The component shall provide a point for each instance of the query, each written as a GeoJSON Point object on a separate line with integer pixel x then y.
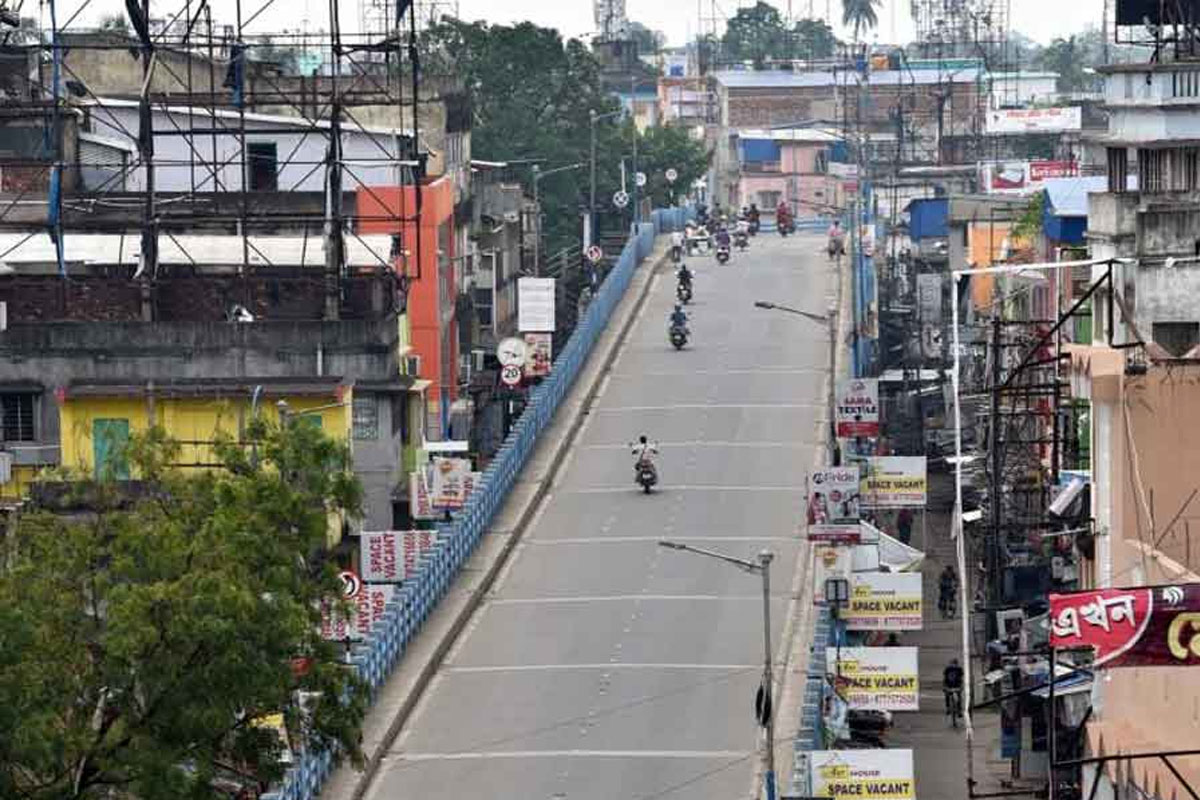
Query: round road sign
{"type": "Point", "coordinates": [595, 254]}
{"type": "Point", "coordinates": [620, 199]}
{"type": "Point", "coordinates": [641, 179]}
{"type": "Point", "coordinates": [351, 583]}
{"type": "Point", "coordinates": [512, 351]}
{"type": "Point", "coordinates": [671, 175]}
{"type": "Point", "coordinates": [510, 375]}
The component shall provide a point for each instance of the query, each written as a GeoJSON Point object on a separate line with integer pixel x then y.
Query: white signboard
{"type": "Point", "coordinates": [833, 505]}
{"type": "Point", "coordinates": [829, 562]}
{"type": "Point", "coordinates": [858, 408]}
{"type": "Point", "coordinates": [1034, 120]}
{"type": "Point", "coordinates": [392, 556]}
{"type": "Point", "coordinates": [535, 304]}
{"type": "Point", "coordinates": [875, 678]}
{"type": "Point", "coordinates": [862, 774]}
{"type": "Point", "coordinates": [884, 601]}
{"type": "Point", "coordinates": [369, 607]}
{"type": "Point", "coordinates": [420, 494]}
{"type": "Point", "coordinates": [894, 482]}
{"type": "Point", "coordinates": [451, 482]}
{"type": "Point", "coordinates": [845, 171]}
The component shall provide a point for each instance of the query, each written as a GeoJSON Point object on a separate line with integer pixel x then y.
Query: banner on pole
{"type": "Point", "coordinates": [862, 774]}
{"type": "Point", "coordinates": [894, 482]}
{"type": "Point", "coordinates": [832, 513]}
{"type": "Point", "coordinates": [875, 678]}
{"type": "Point", "coordinates": [392, 556]}
{"type": "Point", "coordinates": [858, 408]}
{"type": "Point", "coordinates": [884, 601]}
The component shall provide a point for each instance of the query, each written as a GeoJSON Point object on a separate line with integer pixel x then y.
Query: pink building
{"type": "Point", "coordinates": [789, 164]}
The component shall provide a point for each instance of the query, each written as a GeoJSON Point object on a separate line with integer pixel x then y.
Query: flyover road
{"type": "Point", "coordinates": [602, 667]}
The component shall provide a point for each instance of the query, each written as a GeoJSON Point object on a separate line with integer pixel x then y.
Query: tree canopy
{"type": "Point", "coordinates": [861, 14]}
{"type": "Point", "coordinates": [149, 637]}
{"type": "Point", "coordinates": [759, 33]}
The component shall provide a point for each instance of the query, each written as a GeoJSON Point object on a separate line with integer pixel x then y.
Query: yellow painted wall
{"type": "Point", "coordinates": [18, 487]}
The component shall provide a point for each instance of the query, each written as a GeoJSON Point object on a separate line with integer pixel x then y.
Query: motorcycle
{"type": "Point", "coordinates": [741, 240]}
{"type": "Point", "coordinates": [676, 253]}
{"type": "Point", "coordinates": [754, 227]}
{"type": "Point", "coordinates": [786, 226]}
{"type": "Point", "coordinates": [683, 291]}
{"type": "Point", "coordinates": [723, 254]}
{"type": "Point", "coordinates": [678, 336]}
{"type": "Point", "coordinates": [646, 475]}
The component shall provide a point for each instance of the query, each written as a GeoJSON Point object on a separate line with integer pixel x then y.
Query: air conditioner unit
{"type": "Point", "coordinates": [477, 357]}
{"type": "Point", "coordinates": [412, 366]}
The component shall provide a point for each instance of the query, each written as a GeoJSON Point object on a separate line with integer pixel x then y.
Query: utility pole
{"type": "Point", "coordinates": [765, 702]}
{"type": "Point", "coordinates": [589, 231]}
{"type": "Point", "coordinates": [637, 216]}
{"type": "Point", "coordinates": [995, 486]}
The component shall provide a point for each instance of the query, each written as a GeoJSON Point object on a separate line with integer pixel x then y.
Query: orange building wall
{"type": "Point", "coordinates": [392, 209]}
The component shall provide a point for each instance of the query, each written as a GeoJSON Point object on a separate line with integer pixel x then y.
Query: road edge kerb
{"type": "Point", "coordinates": [653, 263]}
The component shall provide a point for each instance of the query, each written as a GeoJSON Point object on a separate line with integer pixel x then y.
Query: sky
{"type": "Point", "coordinates": [1041, 20]}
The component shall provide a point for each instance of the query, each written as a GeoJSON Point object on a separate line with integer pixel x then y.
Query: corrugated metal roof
{"type": "Point", "coordinates": [814, 135]}
{"type": "Point", "coordinates": [100, 248]}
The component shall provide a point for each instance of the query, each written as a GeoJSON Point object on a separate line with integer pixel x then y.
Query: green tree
{"type": "Point", "coordinates": [145, 636]}
{"type": "Point", "coordinates": [1070, 57]}
{"type": "Point", "coordinates": [666, 148]}
{"type": "Point", "coordinates": [648, 41]}
{"type": "Point", "coordinates": [756, 33]}
{"type": "Point", "coordinates": [813, 38]}
{"type": "Point", "coordinates": [861, 14]}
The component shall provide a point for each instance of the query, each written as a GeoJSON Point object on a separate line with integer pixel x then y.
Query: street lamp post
{"type": "Point", "coordinates": [829, 319]}
{"type": "Point", "coordinates": [538, 174]}
{"type": "Point", "coordinates": [765, 708]}
{"type": "Point", "coordinates": [593, 118]}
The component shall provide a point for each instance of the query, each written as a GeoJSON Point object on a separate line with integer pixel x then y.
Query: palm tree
{"type": "Point", "coordinates": [860, 13]}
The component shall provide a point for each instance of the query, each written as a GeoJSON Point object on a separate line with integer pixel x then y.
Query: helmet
{"type": "Point", "coordinates": [642, 439]}
{"type": "Point", "coordinates": [678, 307]}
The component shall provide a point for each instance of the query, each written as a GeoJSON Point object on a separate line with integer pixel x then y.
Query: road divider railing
{"type": "Point", "coordinates": [376, 657]}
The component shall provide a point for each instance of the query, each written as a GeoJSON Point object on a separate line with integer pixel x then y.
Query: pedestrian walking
{"type": "Point", "coordinates": [904, 524]}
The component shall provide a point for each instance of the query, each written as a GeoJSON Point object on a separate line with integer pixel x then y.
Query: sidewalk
{"type": "Point", "coordinates": [939, 750]}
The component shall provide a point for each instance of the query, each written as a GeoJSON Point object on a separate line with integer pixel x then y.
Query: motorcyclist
{"type": "Point", "coordinates": [684, 275]}
{"type": "Point", "coordinates": [753, 213]}
{"type": "Point", "coordinates": [837, 239]}
{"type": "Point", "coordinates": [644, 452]}
{"type": "Point", "coordinates": [677, 240]}
{"type": "Point", "coordinates": [952, 683]}
{"type": "Point", "coordinates": [679, 318]}
{"type": "Point", "coordinates": [722, 237]}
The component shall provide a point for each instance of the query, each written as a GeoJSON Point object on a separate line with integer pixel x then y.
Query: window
{"type": "Point", "coordinates": [263, 166]}
{"type": "Point", "coordinates": [768, 199]}
{"type": "Point", "coordinates": [110, 443]}
{"type": "Point", "coordinates": [1177, 338]}
{"type": "Point", "coordinates": [18, 421]}
{"type": "Point", "coordinates": [366, 417]}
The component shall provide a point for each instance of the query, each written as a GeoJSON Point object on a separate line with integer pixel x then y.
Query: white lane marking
{"type": "Point", "coordinates": [495, 754]}
{"type": "Point", "coordinates": [684, 488]}
{"type": "Point", "coordinates": [621, 598]}
{"type": "Point", "coordinates": [792, 445]}
{"type": "Point", "coordinates": [710, 406]}
{"type": "Point", "coordinates": [604, 666]}
{"type": "Point", "coordinates": [560, 540]}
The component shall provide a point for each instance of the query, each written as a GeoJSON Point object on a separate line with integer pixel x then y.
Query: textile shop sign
{"type": "Point", "coordinates": [884, 601]}
{"type": "Point", "coordinates": [832, 513]}
{"type": "Point", "coordinates": [1155, 626]}
{"type": "Point", "coordinates": [858, 408]}
{"type": "Point", "coordinates": [862, 774]}
{"type": "Point", "coordinates": [875, 678]}
{"type": "Point", "coordinates": [894, 482]}
{"type": "Point", "coordinates": [392, 556]}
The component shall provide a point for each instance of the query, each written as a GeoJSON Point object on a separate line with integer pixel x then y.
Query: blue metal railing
{"type": "Point", "coordinates": [811, 735]}
{"type": "Point", "coordinates": [375, 658]}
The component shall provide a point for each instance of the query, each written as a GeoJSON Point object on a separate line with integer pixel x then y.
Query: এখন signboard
{"type": "Point", "coordinates": [862, 774]}
{"type": "Point", "coordinates": [884, 601]}
{"type": "Point", "coordinates": [858, 408]}
{"type": "Point", "coordinates": [894, 482]}
{"type": "Point", "coordinates": [1146, 626]}
{"type": "Point", "coordinates": [875, 678]}
{"type": "Point", "coordinates": [832, 512]}
{"type": "Point", "coordinates": [392, 556]}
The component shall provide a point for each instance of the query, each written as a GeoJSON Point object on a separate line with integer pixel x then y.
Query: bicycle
{"type": "Point", "coordinates": [953, 705]}
{"type": "Point", "coordinates": [948, 605]}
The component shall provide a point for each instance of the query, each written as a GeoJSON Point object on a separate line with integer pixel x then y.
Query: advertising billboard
{"type": "Point", "coordinates": [1034, 120]}
{"type": "Point", "coordinates": [894, 482]}
{"type": "Point", "coordinates": [538, 354]}
{"type": "Point", "coordinates": [392, 556]}
{"type": "Point", "coordinates": [875, 678]}
{"type": "Point", "coordinates": [535, 305]}
{"type": "Point", "coordinates": [829, 562]}
{"type": "Point", "coordinates": [884, 601]}
{"type": "Point", "coordinates": [862, 774]}
{"type": "Point", "coordinates": [858, 408]}
{"type": "Point", "coordinates": [1152, 626]}
{"type": "Point", "coordinates": [1022, 177]}
{"type": "Point", "coordinates": [832, 513]}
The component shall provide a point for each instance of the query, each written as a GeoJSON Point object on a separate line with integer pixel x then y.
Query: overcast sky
{"type": "Point", "coordinates": [678, 19]}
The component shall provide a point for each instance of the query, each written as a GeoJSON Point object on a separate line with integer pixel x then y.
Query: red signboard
{"type": "Point", "coordinates": [1143, 626]}
{"type": "Point", "coordinates": [1041, 170]}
